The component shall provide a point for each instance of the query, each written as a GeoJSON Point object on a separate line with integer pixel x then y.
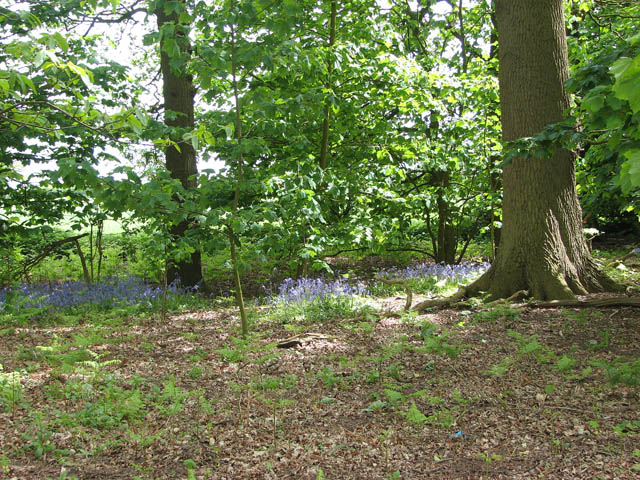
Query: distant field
{"type": "Point", "coordinates": [110, 226]}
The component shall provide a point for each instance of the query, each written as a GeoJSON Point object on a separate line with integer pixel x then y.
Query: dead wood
{"type": "Point", "coordinates": [29, 263]}
{"type": "Point", "coordinates": [300, 339]}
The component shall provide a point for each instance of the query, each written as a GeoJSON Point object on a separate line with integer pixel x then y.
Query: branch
{"type": "Point", "coordinates": [405, 284]}
{"type": "Point", "coordinates": [30, 263]}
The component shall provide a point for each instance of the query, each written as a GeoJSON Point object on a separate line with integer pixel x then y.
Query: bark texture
{"type": "Point", "coordinates": [178, 92]}
{"type": "Point", "coordinates": [542, 247]}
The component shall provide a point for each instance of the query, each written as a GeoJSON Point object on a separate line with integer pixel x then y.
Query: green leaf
{"type": "Point", "coordinates": [61, 41]}
{"type": "Point", "coordinates": [393, 396]}
{"type": "Point", "coordinates": [627, 73]}
{"type": "Point", "coordinates": [414, 415]}
{"type": "Point", "coordinates": [565, 363]}
{"type": "Point", "coordinates": [593, 103]}
{"type": "Point", "coordinates": [629, 178]}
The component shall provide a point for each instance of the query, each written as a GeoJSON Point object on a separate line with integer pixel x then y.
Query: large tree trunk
{"type": "Point", "coordinates": [542, 248]}
{"type": "Point", "coordinates": [178, 92]}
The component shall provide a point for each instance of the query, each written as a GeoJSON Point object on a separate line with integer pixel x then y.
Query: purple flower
{"type": "Point", "coordinates": [72, 294]}
{"type": "Point", "coordinates": [310, 289]}
{"type": "Point", "coordinates": [440, 271]}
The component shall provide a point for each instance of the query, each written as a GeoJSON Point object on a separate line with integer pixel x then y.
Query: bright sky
{"type": "Point", "coordinates": [123, 52]}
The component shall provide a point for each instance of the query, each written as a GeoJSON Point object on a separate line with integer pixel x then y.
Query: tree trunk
{"type": "Point", "coordinates": [542, 248]}
{"type": "Point", "coordinates": [446, 251]}
{"type": "Point", "coordinates": [324, 145]}
{"type": "Point", "coordinates": [178, 92]}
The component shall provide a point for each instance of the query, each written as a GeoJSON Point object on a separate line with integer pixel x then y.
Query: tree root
{"type": "Point", "coordinates": [451, 301]}
{"type": "Point", "coordinates": [406, 286]}
{"type": "Point", "coordinates": [618, 261]}
{"type": "Point", "coordinates": [456, 300]}
{"type": "Point", "coordinates": [592, 302]}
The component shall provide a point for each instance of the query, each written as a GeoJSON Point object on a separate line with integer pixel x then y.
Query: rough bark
{"type": "Point", "coordinates": [178, 93]}
{"type": "Point", "coordinates": [446, 245]}
{"type": "Point", "coordinates": [542, 247]}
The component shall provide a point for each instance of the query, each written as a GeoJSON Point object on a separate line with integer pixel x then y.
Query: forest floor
{"type": "Point", "coordinates": [500, 393]}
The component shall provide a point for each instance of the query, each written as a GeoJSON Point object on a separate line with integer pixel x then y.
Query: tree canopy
{"type": "Point", "coordinates": [318, 128]}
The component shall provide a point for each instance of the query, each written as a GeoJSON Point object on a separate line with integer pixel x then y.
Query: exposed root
{"type": "Point", "coordinates": [520, 294]}
{"type": "Point", "coordinates": [443, 302]}
{"type": "Point", "coordinates": [620, 261]}
{"type": "Point", "coordinates": [406, 286]}
{"type": "Point", "coordinates": [592, 302]}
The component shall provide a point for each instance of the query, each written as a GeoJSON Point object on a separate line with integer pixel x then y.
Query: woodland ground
{"type": "Point", "coordinates": [499, 393]}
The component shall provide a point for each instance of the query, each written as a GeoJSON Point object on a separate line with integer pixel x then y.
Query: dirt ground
{"type": "Point", "coordinates": [350, 399]}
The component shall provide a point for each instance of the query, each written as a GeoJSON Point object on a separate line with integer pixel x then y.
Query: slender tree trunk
{"type": "Point", "coordinates": [244, 323]}
{"type": "Point", "coordinates": [324, 146]}
{"type": "Point", "coordinates": [178, 92]}
{"type": "Point", "coordinates": [83, 262]}
{"type": "Point", "coordinates": [542, 248]}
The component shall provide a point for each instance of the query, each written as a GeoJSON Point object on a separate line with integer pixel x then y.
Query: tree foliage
{"type": "Point", "coordinates": [366, 125]}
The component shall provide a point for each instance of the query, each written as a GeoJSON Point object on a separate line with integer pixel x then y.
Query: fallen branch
{"type": "Point", "coordinates": [301, 339]}
{"type": "Point", "coordinates": [406, 286]}
{"type": "Point", "coordinates": [50, 248]}
{"type": "Point", "coordinates": [633, 253]}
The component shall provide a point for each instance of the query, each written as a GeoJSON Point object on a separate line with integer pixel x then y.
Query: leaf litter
{"type": "Point", "coordinates": [354, 400]}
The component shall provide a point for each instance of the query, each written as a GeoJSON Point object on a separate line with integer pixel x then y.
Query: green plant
{"type": "Point", "coordinates": [376, 406]}
{"type": "Point", "coordinates": [275, 383]}
{"type": "Point", "coordinates": [497, 314]}
{"type": "Point", "coordinates": [145, 440]}
{"type": "Point", "coordinates": [372, 376]}
{"type": "Point", "coordinates": [499, 369]}
{"type": "Point", "coordinates": [38, 436]}
{"type": "Point", "coordinates": [565, 363]}
{"type": "Point", "coordinates": [580, 317]}
{"type": "Point", "coordinates": [11, 395]}
{"type": "Point", "coordinates": [64, 476]}
{"type": "Point", "coordinates": [636, 455]}
{"type": "Point", "coordinates": [627, 428]}
{"type": "Point", "coordinates": [328, 378]}
{"type": "Point", "coordinates": [619, 371]}
{"type": "Point", "coordinates": [170, 400]}
{"type": "Point", "coordinates": [5, 465]}
{"type": "Point", "coordinates": [241, 349]}
{"type": "Point", "coordinates": [322, 309]}
{"type": "Point", "coordinates": [443, 418]}
{"type": "Point", "coordinates": [603, 343]}
{"type": "Point", "coordinates": [191, 469]}
{"type": "Point", "coordinates": [439, 341]}
{"type": "Point", "coordinates": [195, 372]}
{"type": "Point", "coordinates": [112, 406]}
{"type": "Point", "coordinates": [415, 416]}
{"type": "Point", "coordinates": [488, 459]}
{"type": "Point", "coordinates": [394, 398]}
